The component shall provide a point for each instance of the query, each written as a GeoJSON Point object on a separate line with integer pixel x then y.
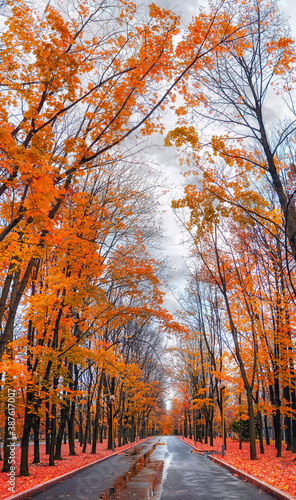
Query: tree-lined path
{"type": "Point", "coordinates": [103, 341]}
{"type": "Point", "coordinates": [186, 476]}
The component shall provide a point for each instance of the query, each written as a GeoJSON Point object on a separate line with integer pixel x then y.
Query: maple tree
{"type": "Point", "coordinates": [233, 91]}
{"type": "Point", "coordinates": [241, 189]}
{"type": "Point", "coordinates": [255, 326]}
{"type": "Point", "coordinates": [76, 108]}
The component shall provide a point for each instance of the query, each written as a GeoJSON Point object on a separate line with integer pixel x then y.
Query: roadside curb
{"type": "Point", "coordinates": [51, 482]}
{"type": "Point", "coordinates": [275, 492]}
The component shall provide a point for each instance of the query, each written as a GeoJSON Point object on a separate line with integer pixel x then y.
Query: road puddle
{"type": "Point", "coordinates": [135, 451]}
{"type": "Point", "coordinates": [143, 479]}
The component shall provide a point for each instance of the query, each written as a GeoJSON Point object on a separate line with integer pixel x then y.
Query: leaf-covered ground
{"type": "Point", "coordinates": [278, 472]}
{"type": "Point", "coordinates": [39, 473]}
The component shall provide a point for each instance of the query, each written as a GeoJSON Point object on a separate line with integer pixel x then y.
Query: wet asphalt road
{"type": "Point", "coordinates": [90, 483]}
{"type": "Point", "coordinates": [186, 476]}
{"type": "Point", "coordinates": [191, 476]}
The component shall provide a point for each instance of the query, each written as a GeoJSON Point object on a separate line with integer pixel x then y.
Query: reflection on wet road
{"type": "Point", "coordinates": [186, 476]}
{"type": "Point", "coordinates": [163, 468]}
{"type": "Point", "coordinates": [143, 479]}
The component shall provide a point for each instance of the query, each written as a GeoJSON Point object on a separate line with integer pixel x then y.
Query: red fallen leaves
{"type": "Point", "coordinates": [203, 447]}
{"type": "Point", "coordinates": [39, 473]}
{"type": "Point", "coordinates": [278, 472]}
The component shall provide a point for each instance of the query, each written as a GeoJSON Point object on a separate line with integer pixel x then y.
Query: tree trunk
{"type": "Point", "coordinates": [198, 428]}
{"type": "Point", "coordinates": [47, 428]}
{"type": "Point", "coordinates": [190, 429]}
{"type": "Point", "coordinates": [278, 430]}
{"type": "Point", "coordinates": [119, 434]}
{"type": "Point", "coordinates": [288, 420]}
{"type": "Point", "coordinates": [267, 440]}
{"type": "Point", "coordinates": [110, 427]}
{"type": "Point", "coordinates": [71, 434]}
{"type": "Point", "coordinates": [53, 424]}
{"type": "Point", "coordinates": [206, 430]}
{"type": "Point", "coordinates": [71, 417]}
{"type": "Point", "coordinates": [80, 428]}
{"type": "Point", "coordinates": [211, 431]}
{"type": "Point", "coordinates": [240, 422]}
{"type": "Point", "coordinates": [36, 427]}
{"type": "Point", "coordinates": [101, 433]}
{"type": "Point", "coordinates": [87, 426]}
{"type": "Point", "coordinates": [53, 427]}
{"type": "Point", "coordinates": [185, 423]}
{"type": "Point", "coordinates": [61, 430]}
{"type": "Point", "coordinates": [24, 465]}
{"type": "Point", "coordinates": [97, 415]}
{"type": "Point", "coordinates": [260, 431]}
{"type": "Point", "coordinates": [252, 432]}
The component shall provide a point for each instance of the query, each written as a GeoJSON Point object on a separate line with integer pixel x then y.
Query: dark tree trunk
{"type": "Point", "coordinates": [47, 428]}
{"type": "Point", "coordinates": [101, 433]}
{"type": "Point", "coordinates": [119, 434]}
{"type": "Point", "coordinates": [252, 431]}
{"type": "Point", "coordinates": [267, 440]}
{"type": "Point", "coordinates": [288, 420]}
{"type": "Point", "coordinates": [110, 427]}
{"type": "Point", "coordinates": [87, 426]}
{"type": "Point", "coordinates": [240, 422]}
{"type": "Point", "coordinates": [185, 423]}
{"type": "Point", "coordinates": [71, 416]}
{"type": "Point", "coordinates": [240, 434]}
{"type": "Point", "coordinates": [189, 420]}
{"type": "Point", "coordinates": [275, 420]}
{"type": "Point", "coordinates": [97, 415]}
{"type": "Point", "coordinates": [211, 431]}
{"type": "Point", "coordinates": [124, 433]}
{"type": "Point", "coordinates": [259, 424]}
{"type": "Point", "coordinates": [199, 428]}
{"type": "Point", "coordinates": [206, 430]}
{"type": "Point", "coordinates": [278, 429]}
{"type": "Point", "coordinates": [53, 425]}
{"type": "Point", "coordinates": [61, 430]}
{"type": "Point", "coordinates": [71, 434]}
{"type": "Point", "coordinates": [288, 432]}
{"type": "Point", "coordinates": [80, 428]}
{"type": "Point", "coordinates": [260, 431]}
{"type": "Point", "coordinates": [53, 428]}
{"type": "Point", "coordinates": [143, 429]}
{"type": "Point", "coordinates": [36, 427]}
{"type": "Point", "coordinates": [278, 433]}
{"type": "Point", "coordinates": [24, 465]}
